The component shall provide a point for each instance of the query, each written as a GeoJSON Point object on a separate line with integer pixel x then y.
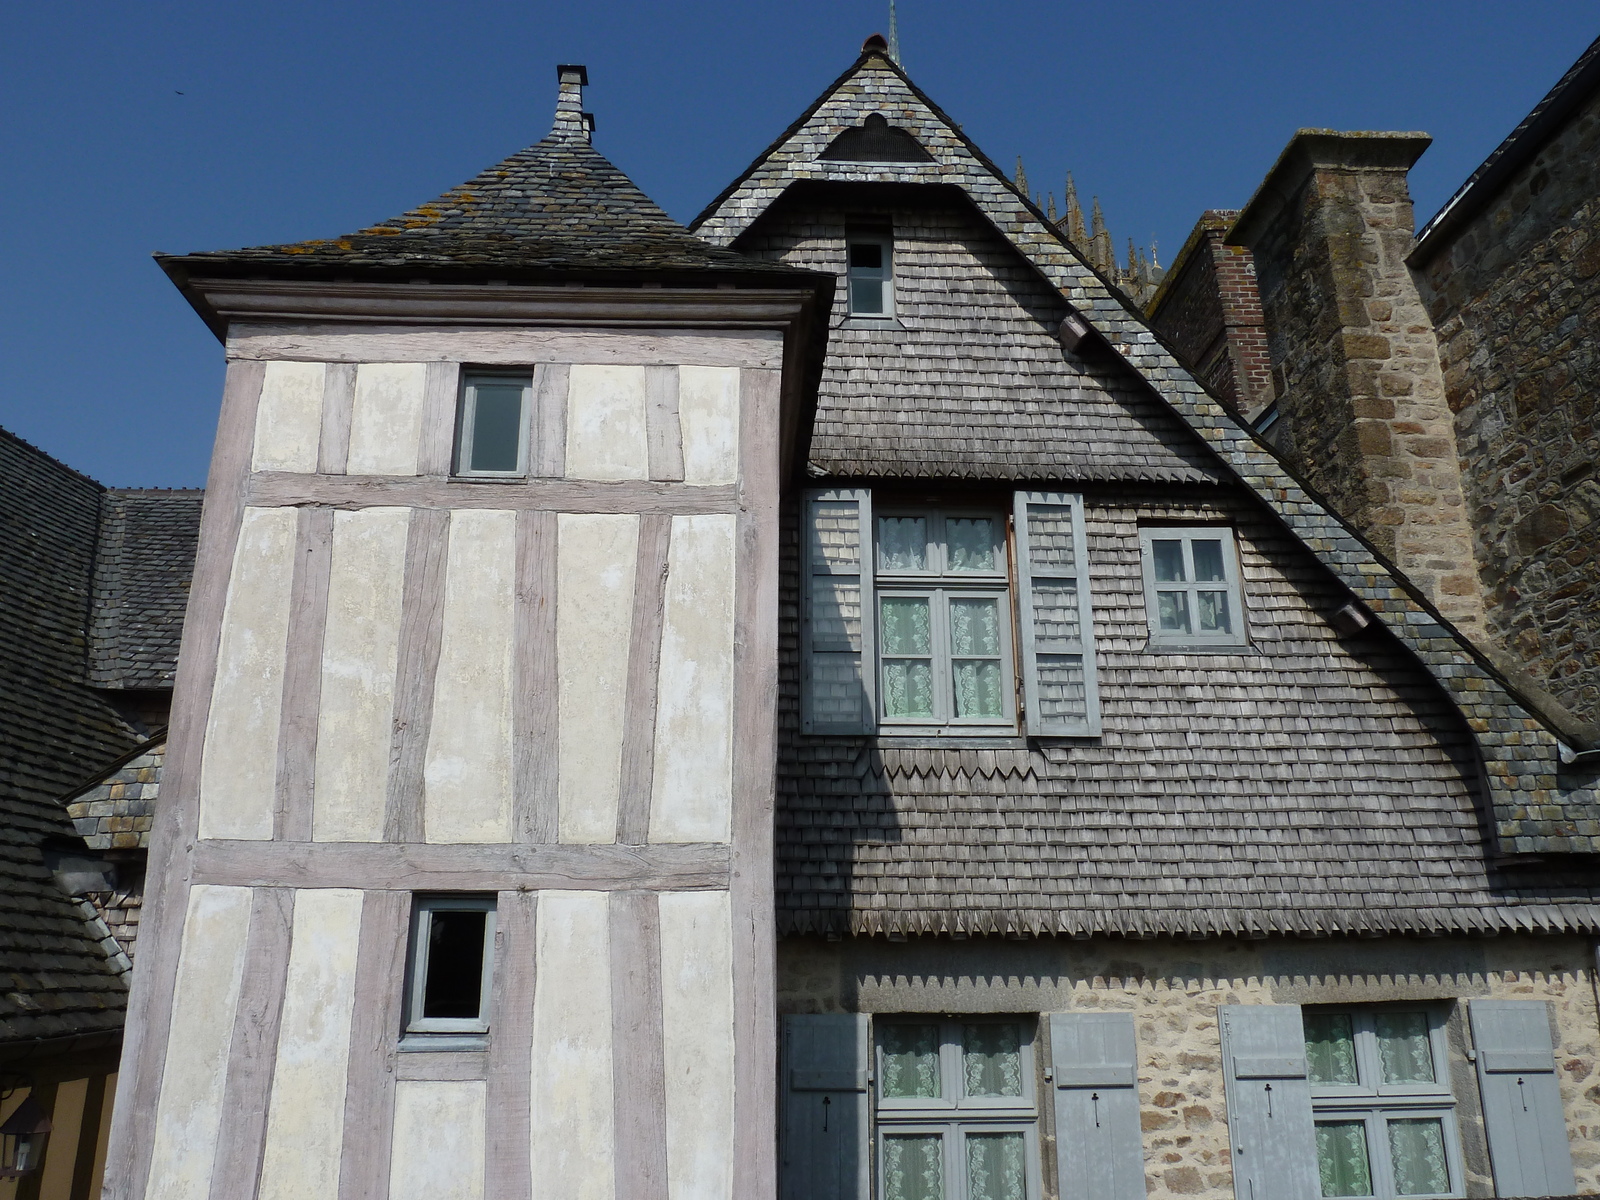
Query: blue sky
{"type": "Point", "coordinates": [183, 126]}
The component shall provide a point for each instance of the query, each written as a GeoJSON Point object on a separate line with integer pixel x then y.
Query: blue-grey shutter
{"type": "Point", "coordinates": [1269, 1102]}
{"type": "Point", "coordinates": [1522, 1114]}
{"type": "Point", "coordinates": [1059, 689]}
{"type": "Point", "coordinates": [1099, 1143]}
{"type": "Point", "coordinates": [839, 667]}
{"type": "Point", "coordinates": [823, 1152]}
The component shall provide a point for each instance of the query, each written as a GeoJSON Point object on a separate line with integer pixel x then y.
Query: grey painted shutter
{"type": "Point", "coordinates": [839, 663]}
{"type": "Point", "coordinates": [1522, 1114]}
{"type": "Point", "coordinates": [1099, 1143]}
{"type": "Point", "coordinates": [823, 1151]}
{"type": "Point", "coordinates": [1269, 1102]}
{"type": "Point", "coordinates": [1059, 689]}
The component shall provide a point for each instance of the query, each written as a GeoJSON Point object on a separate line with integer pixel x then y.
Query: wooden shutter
{"type": "Point", "coordinates": [839, 663]}
{"type": "Point", "coordinates": [1059, 690]}
{"type": "Point", "coordinates": [1522, 1114]}
{"type": "Point", "coordinates": [1099, 1143]}
{"type": "Point", "coordinates": [825, 1061]}
{"type": "Point", "coordinates": [1269, 1102]}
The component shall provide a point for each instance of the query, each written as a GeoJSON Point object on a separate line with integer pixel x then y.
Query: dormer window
{"type": "Point", "coordinates": [871, 275]}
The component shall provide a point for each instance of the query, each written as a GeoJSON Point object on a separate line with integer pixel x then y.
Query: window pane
{"type": "Point", "coordinates": [978, 690]}
{"type": "Point", "coordinates": [1403, 1050]}
{"type": "Point", "coordinates": [905, 625]}
{"type": "Point", "coordinates": [867, 254]}
{"type": "Point", "coordinates": [913, 1166]}
{"type": "Point", "coordinates": [970, 542]}
{"type": "Point", "coordinates": [1168, 560]}
{"type": "Point", "coordinates": [866, 296]}
{"type": "Point", "coordinates": [454, 987]}
{"type": "Point", "coordinates": [910, 1061]}
{"type": "Point", "coordinates": [991, 1060]}
{"type": "Point", "coordinates": [997, 1166]}
{"type": "Point", "coordinates": [1211, 611]}
{"type": "Point", "coordinates": [907, 688]}
{"type": "Point", "coordinates": [902, 543]}
{"type": "Point", "coordinates": [1342, 1158]}
{"type": "Point", "coordinates": [1207, 560]}
{"type": "Point", "coordinates": [1416, 1147]}
{"type": "Point", "coordinates": [496, 426]}
{"type": "Point", "coordinates": [974, 625]}
{"type": "Point", "coordinates": [1173, 611]}
{"type": "Point", "coordinates": [1330, 1048]}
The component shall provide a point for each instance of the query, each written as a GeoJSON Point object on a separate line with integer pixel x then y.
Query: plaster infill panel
{"type": "Point", "coordinates": [607, 430]}
{"type": "Point", "coordinates": [692, 788]}
{"type": "Point", "coordinates": [239, 766]}
{"type": "Point", "coordinates": [305, 1118]}
{"type": "Point", "coordinates": [595, 565]}
{"type": "Point", "coordinates": [438, 1141]}
{"type": "Point", "coordinates": [360, 653]}
{"type": "Point", "coordinates": [189, 1111]}
{"type": "Point", "coordinates": [386, 418]}
{"type": "Point", "coordinates": [289, 417]}
{"type": "Point", "coordinates": [708, 413]}
{"type": "Point", "coordinates": [573, 1126]}
{"type": "Point", "coordinates": [697, 1020]}
{"type": "Point", "coordinates": [467, 775]}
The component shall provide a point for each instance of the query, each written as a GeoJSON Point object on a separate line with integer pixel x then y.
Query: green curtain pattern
{"type": "Point", "coordinates": [975, 629]}
{"type": "Point", "coordinates": [910, 1062]}
{"type": "Point", "coordinates": [991, 1059]}
{"type": "Point", "coordinates": [1416, 1148]}
{"type": "Point", "coordinates": [1342, 1162]}
{"type": "Point", "coordinates": [1330, 1048]}
{"type": "Point", "coordinates": [902, 543]}
{"type": "Point", "coordinates": [970, 544]}
{"type": "Point", "coordinates": [913, 1166]}
{"type": "Point", "coordinates": [1404, 1055]}
{"type": "Point", "coordinates": [997, 1166]}
{"type": "Point", "coordinates": [906, 624]}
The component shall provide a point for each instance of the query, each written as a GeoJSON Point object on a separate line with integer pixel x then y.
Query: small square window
{"type": "Point", "coordinates": [871, 275]}
{"type": "Point", "coordinates": [492, 437]}
{"type": "Point", "coordinates": [1191, 587]}
{"type": "Point", "coordinates": [450, 967]}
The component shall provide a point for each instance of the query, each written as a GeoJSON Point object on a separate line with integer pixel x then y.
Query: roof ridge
{"type": "Point", "coordinates": [48, 457]}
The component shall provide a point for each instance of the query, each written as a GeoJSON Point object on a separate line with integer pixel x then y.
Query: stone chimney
{"type": "Point", "coordinates": [1355, 361]}
{"type": "Point", "coordinates": [572, 123]}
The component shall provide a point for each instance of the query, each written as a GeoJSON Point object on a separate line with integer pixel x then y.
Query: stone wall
{"type": "Point", "coordinates": [1174, 989]}
{"type": "Point", "coordinates": [1515, 297]}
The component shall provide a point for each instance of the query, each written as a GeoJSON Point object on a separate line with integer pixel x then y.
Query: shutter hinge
{"type": "Point", "coordinates": [1049, 1074]}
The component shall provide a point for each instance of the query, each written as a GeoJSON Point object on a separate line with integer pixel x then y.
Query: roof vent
{"type": "Point", "coordinates": [876, 44]}
{"type": "Point", "coordinates": [875, 140]}
{"type": "Point", "coordinates": [572, 124]}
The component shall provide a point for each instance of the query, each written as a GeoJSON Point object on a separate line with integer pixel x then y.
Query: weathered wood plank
{"type": "Point", "coordinates": [498, 866]}
{"type": "Point", "coordinates": [551, 384]}
{"type": "Point", "coordinates": [253, 1052]}
{"type": "Point", "coordinates": [374, 1034]}
{"type": "Point", "coordinates": [421, 630]}
{"type": "Point", "coordinates": [302, 675]}
{"type": "Point", "coordinates": [644, 660]}
{"type": "Point", "coordinates": [508, 1172]}
{"type": "Point", "coordinates": [440, 397]}
{"type": "Point", "coordinates": [661, 412]}
{"type": "Point", "coordinates": [638, 1063]}
{"type": "Point", "coordinates": [275, 489]}
{"type": "Point", "coordinates": [533, 696]}
{"type": "Point", "coordinates": [166, 900]}
{"type": "Point", "coordinates": [446, 1067]}
{"type": "Point", "coordinates": [338, 404]}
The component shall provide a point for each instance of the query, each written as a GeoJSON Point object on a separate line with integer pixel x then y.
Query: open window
{"type": "Point", "coordinates": [449, 971]}
{"type": "Point", "coordinates": [492, 431]}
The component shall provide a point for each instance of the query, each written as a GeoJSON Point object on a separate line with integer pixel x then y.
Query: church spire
{"type": "Point", "coordinates": [1022, 177]}
{"type": "Point", "coordinates": [1102, 256]}
{"type": "Point", "coordinates": [1076, 234]}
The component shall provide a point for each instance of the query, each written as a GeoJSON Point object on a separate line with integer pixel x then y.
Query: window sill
{"type": "Point", "coordinates": [879, 323]}
{"type": "Point", "coordinates": [435, 1043]}
{"type": "Point", "coordinates": [1155, 647]}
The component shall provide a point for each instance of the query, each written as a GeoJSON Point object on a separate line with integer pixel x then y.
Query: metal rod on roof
{"type": "Point", "coordinates": [894, 36]}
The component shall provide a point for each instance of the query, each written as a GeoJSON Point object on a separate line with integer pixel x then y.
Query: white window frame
{"type": "Point", "coordinates": [952, 1116]}
{"type": "Point", "coordinates": [884, 274]}
{"type": "Point", "coordinates": [1374, 1103]}
{"type": "Point", "coordinates": [422, 910]}
{"type": "Point", "coordinates": [939, 586]}
{"type": "Point", "coordinates": [1238, 635]}
{"type": "Point", "coordinates": [466, 418]}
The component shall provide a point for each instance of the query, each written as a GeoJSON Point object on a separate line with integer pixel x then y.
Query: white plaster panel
{"type": "Point", "coordinates": [607, 437]}
{"type": "Point", "coordinates": [595, 562]}
{"type": "Point", "coordinates": [289, 417]}
{"type": "Point", "coordinates": [360, 652]}
{"type": "Point", "coordinates": [239, 767]}
{"type": "Point", "coordinates": [386, 420]}
{"type": "Point", "coordinates": [305, 1118]}
{"type": "Point", "coordinates": [697, 1020]}
{"type": "Point", "coordinates": [467, 775]}
{"type": "Point", "coordinates": [692, 789]}
{"type": "Point", "coordinates": [572, 1114]}
{"type": "Point", "coordinates": [189, 1111]}
{"type": "Point", "coordinates": [438, 1141]}
{"type": "Point", "coordinates": [708, 414]}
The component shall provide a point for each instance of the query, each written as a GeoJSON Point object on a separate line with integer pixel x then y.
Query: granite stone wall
{"type": "Point", "coordinates": [1174, 987]}
{"type": "Point", "coordinates": [1515, 299]}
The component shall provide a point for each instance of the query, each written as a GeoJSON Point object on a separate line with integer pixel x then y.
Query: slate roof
{"type": "Point", "coordinates": [117, 810]}
{"type": "Point", "coordinates": [56, 976]}
{"type": "Point", "coordinates": [141, 585]}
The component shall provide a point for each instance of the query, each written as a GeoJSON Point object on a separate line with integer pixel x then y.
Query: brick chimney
{"type": "Point", "coordinates": [1355, 359]}
{"type": "Point", "coordinates": [572, 123]}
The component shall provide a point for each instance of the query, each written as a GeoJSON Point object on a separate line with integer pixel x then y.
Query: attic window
{"type": "Point", "coordinates": [871, 272]}
{"type": "Point", "coordinates": [875, 140]}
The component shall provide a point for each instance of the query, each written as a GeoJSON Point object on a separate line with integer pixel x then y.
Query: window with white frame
{"type": "Point", "coordinates": [450, 967]}
{"type": "Point", "coordinates": [1191, 587]}
{"type": "Point", "coordinates": [944, 618]}
{"type": "Point", "coordinates": [957, 1113]}
{"type": "Point", "coordinates": [492, 432]}
{"type": "Point", "coordinates": [870, 267]}
{"type": "Point", "coordinates": [1382, 1104]}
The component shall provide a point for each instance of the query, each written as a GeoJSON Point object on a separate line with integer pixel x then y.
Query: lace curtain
{"type": "Point", "coordinates": [906, 628]}
{"type": "Point", "coordinates": [1330, 1048]}
{"type": "Point", "coordinates": [975, 630]}
{"type": "Point", "coordinates": [910, 1061]}
{"type": "Point", "coordinates": [913, 1167]}
{"type": "Point", "coordinates": [997, 1166]}
{"type": "Point", "coordinates": [1416, 1147]}
{"type": "Point", "coordinates": [991, 1060]}
{"type": "Point", "coordinates": [1403, 1050]}
{"type": "Point", "coordinates": [1342, 1162]}
{"type": "Point", "coordinates": [902, 543]}
{"type": "Point", "coordinates": [970, 543]}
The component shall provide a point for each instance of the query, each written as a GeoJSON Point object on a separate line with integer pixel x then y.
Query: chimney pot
{"type": "Point", "coordinates": [876, 44]}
